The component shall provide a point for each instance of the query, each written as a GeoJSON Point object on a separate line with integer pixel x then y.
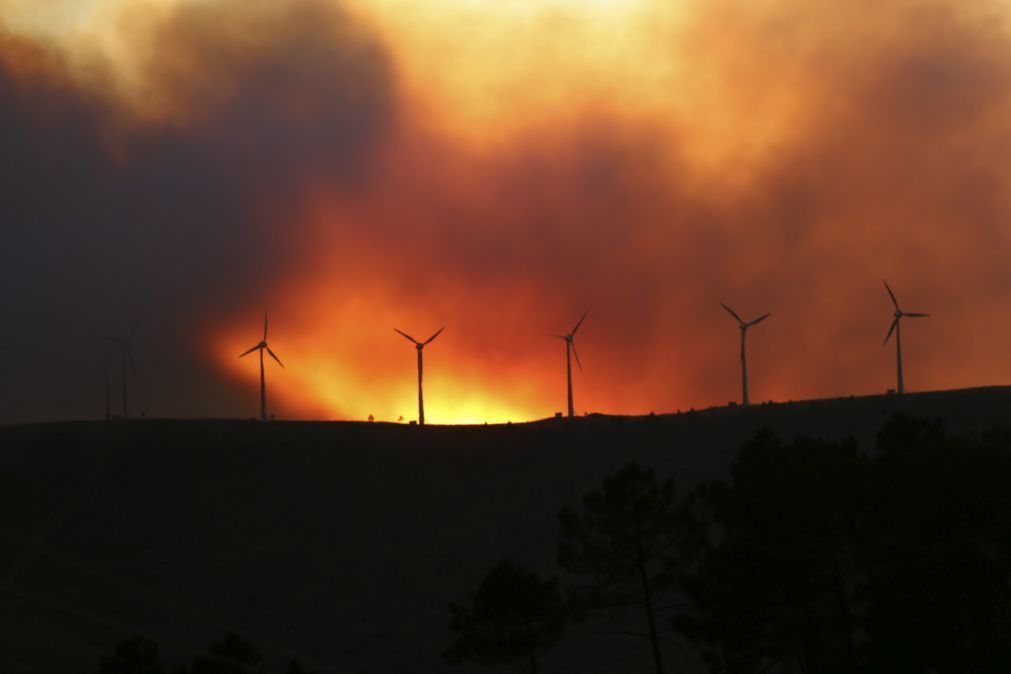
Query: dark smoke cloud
{"type": "Point", "coordinates": [179, 217]}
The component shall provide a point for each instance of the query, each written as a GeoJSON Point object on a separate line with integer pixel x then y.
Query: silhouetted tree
{"type": "Point", "coordinates": [939, 554]}
{"type": "Point", "coordinates": [232, 655]}
{"type": "Point", "coordinates": [816, 558]}
{"type": "Point", "coordinates": [135, 655]}
{"type": "Point", "coordinates": [513, 615]}
{"type": "Point", "coordinates": [621, 541]}
{"type": "Point", "coordinates": [774, 579]}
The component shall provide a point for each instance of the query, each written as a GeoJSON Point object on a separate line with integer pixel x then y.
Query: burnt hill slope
{"type": "Point", "coordinates": [338, 543]}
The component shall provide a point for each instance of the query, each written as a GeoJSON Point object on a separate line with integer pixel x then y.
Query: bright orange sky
{"type": "Point", "coordinates": [500, 167]}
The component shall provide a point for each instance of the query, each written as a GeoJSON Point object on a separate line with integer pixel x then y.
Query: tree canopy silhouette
{"type": "Point", "coordinates": [513, 615]}
{"type": "Point", "coordinates": [135, 655]}
{"type": "Point", "coordinates": [938, 558]}
{"type": "Point", "coordinates": [231, 655]}
{"type": "Point", "coordinates": [621, 542]}
{"type": "Point", "coordinates": [819, 558]}
{"type": "Point", "coordinates": [773, 580]}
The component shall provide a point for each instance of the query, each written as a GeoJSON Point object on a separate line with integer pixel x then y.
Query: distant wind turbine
{"type": "Point", "coordinates": [126, 357]}
{"type": "Point", "coordinates": [744, 359]}
{"type": "Point", "coordinates": [420, 346]}
{"type": "Point", "coordinates": [896, 328]}
{"type": "Point", "coordinates": [261, 347]}
{"type": "Point", "coordinates": [570, 349]}
{"type": "Point", "coordinates": [105, 353]}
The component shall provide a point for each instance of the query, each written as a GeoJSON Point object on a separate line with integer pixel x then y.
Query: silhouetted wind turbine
{"type": "Point", "coordinates": [744, 359]}
{"type": "Point", "coordinates": [105, 353]}
{"type": "Point", "coordinates": [261, 347]}
{"type": "Point", "coordinates": [126, 355]}
{"type": "Point", "coordinates": [896, 328]}
{"type": "Point", "coordinates": [420, 346]}
{"type": "Point", "coordinates": [570, 348]}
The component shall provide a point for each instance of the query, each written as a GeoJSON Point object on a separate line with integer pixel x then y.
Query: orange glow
{"type": "Point", "coordinates": [335, 372]}
{"type": "Point", "coordinates": [500, 167]}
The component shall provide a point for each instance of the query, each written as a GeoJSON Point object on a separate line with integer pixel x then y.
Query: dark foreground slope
{"type": "Point", "coordinates": [336, 543]}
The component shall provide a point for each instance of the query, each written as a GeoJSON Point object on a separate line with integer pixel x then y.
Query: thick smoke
{"type": "Point", "coordinates": [270, 155]}
{"type": "Point", "coordinates": [179, 215]}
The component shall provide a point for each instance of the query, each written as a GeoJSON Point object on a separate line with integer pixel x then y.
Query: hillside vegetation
{"type": "Point", "coordinates": [341, 544]}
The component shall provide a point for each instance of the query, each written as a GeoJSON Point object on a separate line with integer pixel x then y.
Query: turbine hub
{"type": "Point", "coordinates": [898, 314]}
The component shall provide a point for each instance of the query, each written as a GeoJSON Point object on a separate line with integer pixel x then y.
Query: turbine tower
{"type": "Point", "coordinates": [744, 359]}
{"type": "Point", "coordinates": [261, 347]}
{"type": "Point", "coordinates": [570, 348]}
{"type": "Point", "coordinates": [896, 328]}
{"type": "Point", "coordinates": [105, 353]}
{"type": "Point", "coordinates": [420, 346]}
{"type": "Point", "coordinates": [126, 357]}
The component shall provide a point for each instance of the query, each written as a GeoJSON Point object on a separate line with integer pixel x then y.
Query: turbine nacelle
{"type": "Point", "coordinates": [262, 345]}
{"type": "Point", "coordinates": [741, 323]}
{"type": "Point", "coordinates": [571, 337]}
{"type": "Point", "coordinates": [899, 313]}
{"type": "Point", "coordinates": [420, 345]}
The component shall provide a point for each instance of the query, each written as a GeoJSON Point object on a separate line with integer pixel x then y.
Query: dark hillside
{"type": "Point", "coordinates": [337, 543]}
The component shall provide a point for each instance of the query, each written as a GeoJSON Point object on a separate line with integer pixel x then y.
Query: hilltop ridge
{"type": "Point", "coordinates": [340, 541]}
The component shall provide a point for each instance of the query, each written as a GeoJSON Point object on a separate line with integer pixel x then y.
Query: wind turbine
{"type": "Point", "coordinates": [744, 336]}
{"type": "Point", "coordinates": [261, 347]}
{"type": "Point", "coordinates": [570, 348]}
{"type": "Point", "coordinates": [126, 357]}
{"type": "Point", "coordinates": [105, 353]}
{"type": "Point", "coordinates": [420, 346]}
{"type": "Point", "coordinates": [896, 328]}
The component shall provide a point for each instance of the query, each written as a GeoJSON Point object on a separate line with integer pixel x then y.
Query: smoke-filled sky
{"type": "Point", "coordinates": [498, 167]}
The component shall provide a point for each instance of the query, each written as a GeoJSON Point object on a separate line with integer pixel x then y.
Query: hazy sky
{"type": "Point", "coordinates": [498, 168]}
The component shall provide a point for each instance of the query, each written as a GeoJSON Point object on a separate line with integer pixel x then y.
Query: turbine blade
{"type": "Point", "coordinates": [274, 356]}
{"type": "Point", "coordinates": [432, 338]}
{"type": "Point", "coordinates": [759, 319]}
{"type": "Point", "coordinates": [895, 324]}
{"type": "Point", "coordinates": [581, 319]}
{"type": "Point", "coordinates": [264, 325]}
{"type": "Point", "coordinates": [914, 315]}
{"type": "Point", "coordinates": [246, 353]}
{"type": "Point", "coordinates": [732, 313]}
{"type": "Point", "coordinates": [128, 354]}
{"type": "Point", "coordinates": [892, 295]}
{"type": "Point", "coordinates": [134, 331]}
{"type": "Point", "coordinates": [576, 354]}
{"type": "Point", "coordinates": [406, 335]}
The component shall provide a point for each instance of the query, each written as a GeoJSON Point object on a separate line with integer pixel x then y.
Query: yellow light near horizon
{"type": "Point", "coordinates": [320, 384]}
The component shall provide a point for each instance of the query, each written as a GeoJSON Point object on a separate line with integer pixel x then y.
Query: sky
{"type": "Point", "coordinates": [498, 168]}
